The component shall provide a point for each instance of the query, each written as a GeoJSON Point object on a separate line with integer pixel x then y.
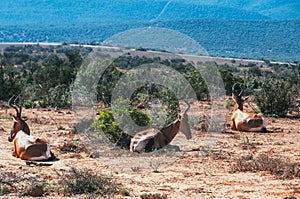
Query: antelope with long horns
{"type": "Point", "coordinates": [243, 121]}
{"type": "Point", "coordinates": [26, 147]}
{"type": "Point", "coordinates": [152, 138]}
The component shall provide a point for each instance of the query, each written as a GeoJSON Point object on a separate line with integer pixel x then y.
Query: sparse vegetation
{"type": "Point", "coordinates": [153, 196]}
{"type": "Point", "coordinates": [87, 181]}
{"type": "Point", "coordinates": [155, 164]}
{"type": "Point", "coordinates": [281, 167]}
{"type": "Point", "coordinates": [73, 146]}
{"type": "Point", "coordinates": [136, 169]}
{"type": "Point", "coordinates": [24, 185]}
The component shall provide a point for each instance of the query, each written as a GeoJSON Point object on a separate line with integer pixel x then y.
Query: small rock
{"type": "Point", "coordinates": [35, 190]}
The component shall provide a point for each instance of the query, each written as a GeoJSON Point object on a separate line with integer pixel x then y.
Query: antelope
{"type": "Point", "coordinates": [26, 146]}
{"type": "Point", "coordinates": [153, 138]}
{"type": "Point", "coordinates": [243, 121]}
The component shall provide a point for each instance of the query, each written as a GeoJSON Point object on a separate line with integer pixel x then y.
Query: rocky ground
{"type": "Point", "coordinates": [239, 164]}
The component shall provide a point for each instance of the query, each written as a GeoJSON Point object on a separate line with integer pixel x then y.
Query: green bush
{"type": "Point", "coordinates": [28, 104]}
{"type": "Point", "coordinates": [276, 96]}
{"type": "Point", "coordinates": [105, 122]}
{"type": "Point", "coordinates": [58, 96]}
{"type": "Point", "coordinates": [255, 70]}
{"type": "Point", "coordinates": [229, 80]}
{"type": "Point", "coordinates": [147, 95]}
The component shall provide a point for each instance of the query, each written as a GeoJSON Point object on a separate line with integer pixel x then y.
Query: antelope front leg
{"type": "Point", "coordinates": [14, 153]}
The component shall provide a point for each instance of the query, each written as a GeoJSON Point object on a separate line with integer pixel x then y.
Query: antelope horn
{"type": "Point", "coordinates": [14, 105]}
{"type": "Point", "coordinates": [188, 106]}
{"type": "Point", "coordinates": [233, 87]}
{"type": "Point", "coordinates": [242, 91]}
{"type": "Point", "coordinates": [233, 90]}
{"type": "Point", "coordinates": [18, 105]}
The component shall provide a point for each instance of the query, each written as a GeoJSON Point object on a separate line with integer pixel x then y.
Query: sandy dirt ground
{"type": "Point", "coordinates": [189, 174]}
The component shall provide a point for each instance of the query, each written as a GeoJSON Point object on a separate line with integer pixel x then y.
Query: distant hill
{"type": "Point", "coordinates": [274, 40]}
{"type": "Point", "coordinates": [59, 12]}
{"type": "Point", "coordinates": [179, 11]}
{"type": "Point", "coordinates": [267, 29]}
{"type": "Point", "coordinates": [273, 9]}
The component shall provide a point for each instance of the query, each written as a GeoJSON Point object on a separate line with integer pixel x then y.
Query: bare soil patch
{"type": "Point", "coordinates": [191, 175]}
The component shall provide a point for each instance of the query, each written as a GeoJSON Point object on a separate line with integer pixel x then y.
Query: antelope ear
{"type": "Point", "coordinates": [14, 118]}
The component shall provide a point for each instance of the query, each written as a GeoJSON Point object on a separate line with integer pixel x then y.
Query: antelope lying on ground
{"type": "Point", "coordinates": [27, 147]}
{"type": "Point", "coordinates": [152, 138]}
{"type": "Point", "coordinates": [243, 121]}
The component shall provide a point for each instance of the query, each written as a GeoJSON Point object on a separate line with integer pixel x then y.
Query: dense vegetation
{"type": "Point", "coordinates": [44, 76]}
{"type": "Point", "coordinates": [39, 74]}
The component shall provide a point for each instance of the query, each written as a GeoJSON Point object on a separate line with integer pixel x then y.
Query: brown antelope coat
{"type": "Point", "coordinates": [26, 146]}
{"type": "Point", "coordinates": [152, 138]}
{"type": "Point", "coordinates": [243, 121]}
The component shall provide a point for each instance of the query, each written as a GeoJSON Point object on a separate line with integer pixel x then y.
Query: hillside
{"type": "Point", "coordinates": [273, 9]}
{"type": "Point", "coordinates": [273, 40]}
{"type": "Point", "coordinates": [57, 12]}
{"type": "Point", "coordinates": [255, 29]}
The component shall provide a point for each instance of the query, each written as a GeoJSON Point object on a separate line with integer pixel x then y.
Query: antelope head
{"type": "Point", "coordinates": [184, 125]}
{"type": "Point", "coordinates": [19, 123]}
{"type": "Point", "coordinates": [238, 98]}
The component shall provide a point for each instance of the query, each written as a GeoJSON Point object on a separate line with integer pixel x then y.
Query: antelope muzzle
{"type": "Point", "coordinates": [11, 136]}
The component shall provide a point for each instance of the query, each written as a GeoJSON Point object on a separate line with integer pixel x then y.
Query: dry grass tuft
{"type": "Point", "coordinates": [86, 181]}
{"type": "Point", "coordinates": [280, 167]}
{"type": "Point", "coordinates": [73, 147]}
{"type": "Point", "coordinates": [25, 186]}
{"type": "Point", "coordinates": [153, 196]}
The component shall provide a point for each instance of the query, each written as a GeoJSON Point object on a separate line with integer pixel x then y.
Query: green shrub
{"type": "Point", "coordinates": [28, 104]}
{"type": "Point", "coordinates": [151, 94]}
{"type": "Point", "coordinates": [139, 117]}
{"type": "Point", "coordinates": [229, 80]}
{"type": "Point", "coordinates": [276, 96]}
{"type": "Point", "coordinates": [255, 70]}
{"type": "Point", "coordinates": [106, 123]}
{"type": "Point", "coordinates": [58, 96]}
